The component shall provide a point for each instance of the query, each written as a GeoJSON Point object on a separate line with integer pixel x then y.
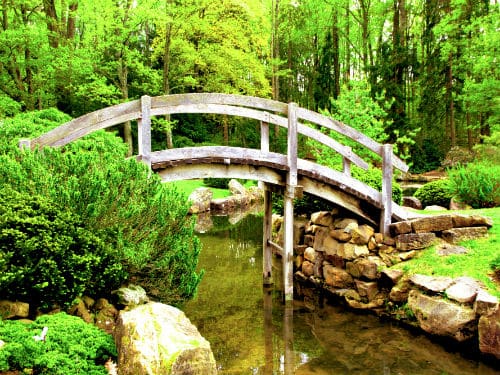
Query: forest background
{"type": "Point", "coordinates": [426, 71]}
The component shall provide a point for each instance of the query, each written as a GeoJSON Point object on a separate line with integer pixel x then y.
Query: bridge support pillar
{"type": "Point", "coordinates": [288, 244]}
{"type": "Point", "coordinates": [267, 236]}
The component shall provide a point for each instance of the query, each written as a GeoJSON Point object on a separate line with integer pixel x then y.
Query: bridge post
{"type": "Point", "coordinates": [144, 130]}
{"type": "Point", "coordinates": [291, 185]}
{"type": "Point", "coordinates": [386, 214]}
{"type": "Point", "coordinates": [267, 265]}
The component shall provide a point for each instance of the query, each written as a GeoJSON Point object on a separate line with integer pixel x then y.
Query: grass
{"type": "Point", "coordinates": [476, 263]}
{"type": "Point", "coordinates": [188, 186]}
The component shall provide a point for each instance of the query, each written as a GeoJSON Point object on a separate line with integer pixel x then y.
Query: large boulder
{"type": "Point", "coordinates": [441, 317]}
{"type": "Point", "coordinates": [200, 200]}
{"type": "Point", "coordinates": [13, 309]}
{"type": "Point", "coordinates": [154, 339]}
{"type": "Point", "coordinates": [489, 334]}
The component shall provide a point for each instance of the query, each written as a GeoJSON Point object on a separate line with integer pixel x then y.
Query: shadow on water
{"type": "Point", "coordinates": [252, 332]}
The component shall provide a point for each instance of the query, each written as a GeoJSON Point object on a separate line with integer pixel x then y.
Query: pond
{"type": "Point", "coordinates": [252, 332]}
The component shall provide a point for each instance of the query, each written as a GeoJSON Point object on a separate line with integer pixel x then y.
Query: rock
{"type": "Point", "coordinates": [9, 309]}
{"type": "Point", "coordinates": [478, 220]}
{"type": "Point", "coordinates": [340, 235]}
{"type": "Point", "coordinates": [412, 202]}
{"type": "Point", "coordinates": [489, 334]}
{"type": "Point", "coordinates": [337, 277]}
{"type": "Point", "coordinates": [435, 284]}
{"type": "Point", "coordinates": [322, 218]}
{"type": "Point", "coordinates": [200, 199]}
{"type": "Point", "coordinates": [444, 318]}
{"type": "Point", "coordinates": [435, 208]}
{"type": "Point", "coordinates": [456, 235]}
{"type": "Point", "coordinates": [401, 227]}
{"type": "Point", "coordinates": [393, 275]}
{"type": "Point", "coordinates": [235, 187]}
{"type": "Point", "coordinates": [331, 246]}
{"type": "Point", "coordinates": [432, 223]}
{"type": "Point", "coordinates": [407, 255]}
{"type": "Point", "coordinates": [310, 254]}
{"type": "Point", "coordinates": [132, 295]}
{"type": "Point", "coordinates": [446, 249]}
{"type": "Point", "coordinates": [79, 309]}
{"type": "Point", "coordinates": [350, 251]}
{"type": "Point", "coordinates": [462, 292]}
{"type": "Point", "coordinates": [369, 267]}
{"type": "Point", "coordinates": [309, 240]}
{"type": "Point", "coordinates": [377, 303]}
{"type": "Point", "coordinates": [154, 339]}
{"type": "Point", "coordinates": [308, 268]}
{"type": "Point", "coordinates": [485, 303]}
{"type": "Point", "coordinates": [106, 315]}
{"type": "Point", "coordinates": [362, 234]}
{"type": "Point", "coordinates": [457, 205]}
{"type": "Point", "coordinates": [367, 289]}
{"type": "Point", "coordinates": [399, 292]}
{"type": "Point", "coordinates": [88, 301]}
{"type": "Point", "coordinates": [345, 223]}
{"type": "Point", "coordinates": [414, 241]}
{"type": "Point", "coordinates": [320, 235]}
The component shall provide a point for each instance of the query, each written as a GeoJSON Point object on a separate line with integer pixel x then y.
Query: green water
{"type": "Point", "coordinates": [251, 332]}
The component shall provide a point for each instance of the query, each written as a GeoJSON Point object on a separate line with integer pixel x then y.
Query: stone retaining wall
{"type": "Point", "coordinates": [351, 261]}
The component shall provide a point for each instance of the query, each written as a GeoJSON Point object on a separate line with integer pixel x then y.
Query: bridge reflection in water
{"type": "Point", "coordinates": [252, 332]}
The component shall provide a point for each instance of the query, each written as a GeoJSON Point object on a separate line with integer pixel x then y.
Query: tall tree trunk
{"type": "Point", "coordinates": [335, 55]}
{"type": "Point", "coordinates": [275, 54]}
{"type": "Point", "coordinates": [166, 77]}
{"type": "Point", "coordinates": [71, 23]}
{"type": "Point", "coordinates": [347, 70]}
{"type": "Point", "coordinates": [49, 8]}
{"type": "Point", "coordinates": [451, 104]}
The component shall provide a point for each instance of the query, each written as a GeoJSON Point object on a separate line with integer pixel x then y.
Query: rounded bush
{"type": "Point", "coordinates": [47, 257]}
{"type": "Point", "coordinates": [70, 346]}
{"type": "Point", "coordinates": [435, 193]}
{"type": "Point", "coordinates": [477, 184]}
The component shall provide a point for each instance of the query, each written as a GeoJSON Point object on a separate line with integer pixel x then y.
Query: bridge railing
{"type": "Point", "coordinates": [288, 116]}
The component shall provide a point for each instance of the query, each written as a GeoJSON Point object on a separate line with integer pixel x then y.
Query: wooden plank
{"type": "Point", "coordinates": [199, 171]}
{"type": "Point", "coordinates": [88, 123]}
{"type": "Point", "coordinates": [267, 261]}
{"type": "Point", "coordinates": [222, 152]}
{"type": "Point", "coordinates": [386, 214]}
{"type": "Point", "coordinates": [214, 98]}
{"type": "Point", "coordinates": [335, 196]}
{"type": "Point", "coordinates": [144, 129]}
{"type": "Point", "coordinates": [352, 133]}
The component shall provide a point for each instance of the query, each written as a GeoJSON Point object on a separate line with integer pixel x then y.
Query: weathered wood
{"type": "Point", "coordinates": [144, 130]}
{"type": "Point", "coordinates": [213, 98]}
{"type": "Point", "coordinates": [352, 133]}
{"type": "Point", "coordinates": [386, 214]}
{"type": "Point", "coordinates": [267, 264]}
{"type": "Point", "coordinates": [346, 165]}
{"type": "Point", "coordinates": [81, 126]}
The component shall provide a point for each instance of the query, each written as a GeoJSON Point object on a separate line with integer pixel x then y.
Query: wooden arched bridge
{"type": "Point", "coordinates": [277, 171]}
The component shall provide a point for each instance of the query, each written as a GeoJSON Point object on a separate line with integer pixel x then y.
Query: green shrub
{"type": "Point", "coordinates": [71, 346]}
{"type": "Point", "coordinates": [477, 184]}
{"type": "Point", "coordinates": [141, 219]}
{"type": "Point", "coordinates": [47, 256]}
{"type": "Point", "coordinates": [495, 265]}
{"type": "Point", "coordinates": [434, 193]}
{"type": "Point", "coordinates": [218, 183]}
{"type": "Point", "coordinates": [373, 178]}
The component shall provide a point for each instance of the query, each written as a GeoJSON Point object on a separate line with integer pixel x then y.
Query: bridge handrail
{"type": "Point", "coordinates": [267, 111]}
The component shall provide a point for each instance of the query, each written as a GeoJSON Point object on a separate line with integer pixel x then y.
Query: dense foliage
{"type": "Point", "coordinates": [71, 346]}
{"type": "Point", "coordinates": [47, 256]}
{"type": "Point", "coordinates": [435, 193]}
{"type": "Point", "coordinates": [142, 222]}
{"type": "Point", "coordinates": [477, 184]}
{"type": "Point", "coordinates": [430, 65]}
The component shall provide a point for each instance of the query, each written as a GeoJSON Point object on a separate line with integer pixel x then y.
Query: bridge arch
{"type": "Point", "coordinates": [288, 172]}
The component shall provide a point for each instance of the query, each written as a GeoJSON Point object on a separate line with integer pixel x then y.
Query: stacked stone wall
{"type": "Point", "coordinates": [350, 260]}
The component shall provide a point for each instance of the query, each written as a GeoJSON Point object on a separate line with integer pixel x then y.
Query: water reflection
{"type": "Point", "coordinates": [252, 332]}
